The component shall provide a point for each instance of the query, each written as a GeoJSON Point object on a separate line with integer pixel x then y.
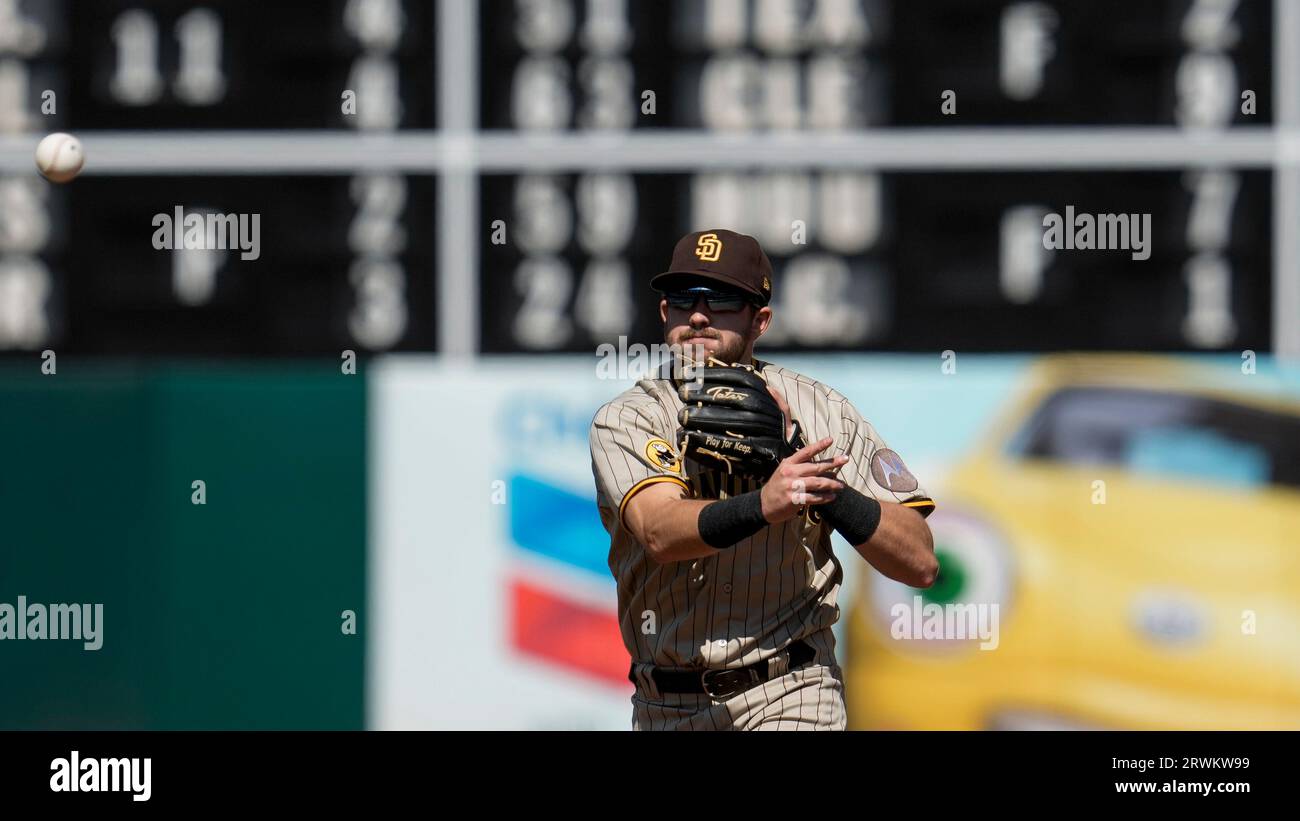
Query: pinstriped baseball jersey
{"type": "Point", "coordinates": [749, 601]}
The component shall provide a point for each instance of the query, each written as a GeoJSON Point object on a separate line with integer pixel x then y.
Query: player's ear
{"type": "Point", "coordinates": [663, 310]}
{"type": "Point", "coordinates": [762, 319]}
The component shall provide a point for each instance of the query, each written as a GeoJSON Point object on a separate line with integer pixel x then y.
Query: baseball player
{"type": "Point", "coordinates": [719, 487]}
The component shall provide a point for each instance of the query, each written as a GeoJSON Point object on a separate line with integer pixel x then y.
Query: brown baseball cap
{"type": "Point", "coordinates": [720, 256]}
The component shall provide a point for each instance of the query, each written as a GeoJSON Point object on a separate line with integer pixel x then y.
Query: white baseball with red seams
{"type": "Point", "coordinates": [60, 157]}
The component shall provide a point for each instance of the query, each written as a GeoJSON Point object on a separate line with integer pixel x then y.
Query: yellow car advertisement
{"type": "Point", "coordinates": [1120, 548]}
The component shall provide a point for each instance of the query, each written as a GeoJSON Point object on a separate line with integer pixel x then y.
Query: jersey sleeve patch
{"type": "Point", "coordinates": [888, 470]}
{"type": "Point", "coordinates": [663, 456]}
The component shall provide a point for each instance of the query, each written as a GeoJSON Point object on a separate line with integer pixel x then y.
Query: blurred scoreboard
{"type": "Point", "coordinates": [868, 257]}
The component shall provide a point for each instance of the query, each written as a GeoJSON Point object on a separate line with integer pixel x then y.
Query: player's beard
{"type": "Point", "coordinates": [728, 351]}
{"type": "Point", "coordinates": [734, 352]}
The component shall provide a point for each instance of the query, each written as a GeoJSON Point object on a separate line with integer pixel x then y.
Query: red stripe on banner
{"type": "Point", "coordinates": [582, 638]}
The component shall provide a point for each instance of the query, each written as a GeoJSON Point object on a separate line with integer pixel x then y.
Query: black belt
{"type": "Point", "coordinates": [724, 684]}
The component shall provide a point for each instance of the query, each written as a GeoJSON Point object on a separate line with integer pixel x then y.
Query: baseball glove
{"type": "Point", "coordinates": [731, 423]}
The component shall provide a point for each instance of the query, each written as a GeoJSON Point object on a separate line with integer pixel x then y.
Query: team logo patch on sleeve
{"type": "Point", "coordinates": [888, 470]}
{"type": "Point", "coordinates": [662, 455]}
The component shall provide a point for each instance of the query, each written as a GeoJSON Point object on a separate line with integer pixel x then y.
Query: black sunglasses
{"type": "Point", "coordinates": [718, 301]}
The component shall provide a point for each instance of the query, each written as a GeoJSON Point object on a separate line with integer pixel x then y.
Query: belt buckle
{"type": "Point", "coordinates": [723, 684]}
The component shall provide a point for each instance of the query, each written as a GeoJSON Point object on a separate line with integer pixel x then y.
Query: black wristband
{"type": "Point", "coordinates": [726, 521]}
{"type": "Point", "coordinates": [854, 515]}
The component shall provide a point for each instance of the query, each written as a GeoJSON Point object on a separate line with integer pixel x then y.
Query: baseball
{"type": "Point", "coordinates": [59, 157]}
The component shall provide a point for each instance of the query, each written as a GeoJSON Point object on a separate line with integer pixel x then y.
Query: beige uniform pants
{"type": "Point", "coordinates": [809, 698]}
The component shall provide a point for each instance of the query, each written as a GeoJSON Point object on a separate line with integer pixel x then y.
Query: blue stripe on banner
{"type": "Point", "coordinates": [557, 524]}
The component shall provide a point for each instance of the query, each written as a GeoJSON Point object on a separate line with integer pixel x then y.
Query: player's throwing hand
{"type": "Point", "coordinates": [800, 480]}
